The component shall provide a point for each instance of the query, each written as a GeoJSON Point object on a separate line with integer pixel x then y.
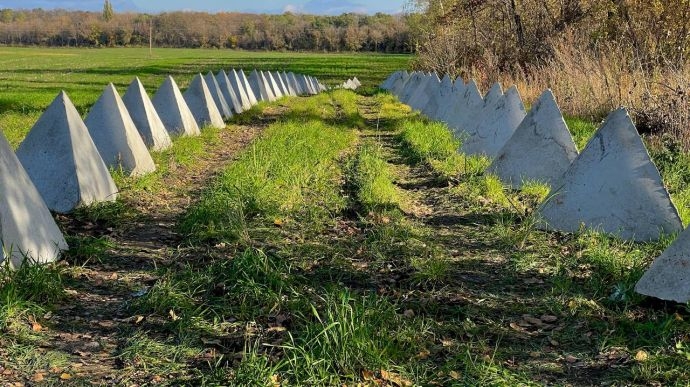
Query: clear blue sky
{"type": "Point", "coordinates": [276, 6]}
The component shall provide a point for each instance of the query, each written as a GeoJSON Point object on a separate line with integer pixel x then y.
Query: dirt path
{"type": "Point", "coordinates": [89, 325]}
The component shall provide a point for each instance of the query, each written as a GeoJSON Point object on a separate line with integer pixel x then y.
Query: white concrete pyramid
{"type": "Point", "coordinates": [304, 81]}
{"type": "Point", "coordinates": [202, 105]}
{"type": "Point", "coordinates": [281, 85]}
{"type": "Point", "coordinates": [28, 231]}
{"type": "Point", "coordinates": [400, 83]}
{"type": "Point", "coordinates": [541, 149]}
{"type": "Point", "coordinates": [253, 98]}
{"type": "Point", "coordinates": [238, 88]}
{"type": "Point", "coordinates": [288, 85]}
{"type": "Point", "coordinates": [411, 87]}
{"type": "Point", "coordinates": [613, 186]}
{"type": "Point", "coordinates": [426, 92]}
{"type": "Point", "coordinates": [260, 86]}
{"type": "Point", "coordinates": [272, 84]}
{"type": "Point", "coordinates": [296, 84]}
{"type": "Point", "coordinates": [388, 83]}
{"type": "Point", "coordinates": [145, 117]}
{"type": "Point", "coordinates": [221, 103]}
{"type": "Point", "coordinates": [668, 278]}
{"type": "Point", "coordinates": [356, 82]}
{"type": "Point", "coordinates": [62, 161]}
{"type": "Point", "coordinates": [173, 110]}
{"type": "Point", "coordinates": [496, 125]}
{"type": "Point", "coordinates": [234, 101]}
{"type": "Point", "coordinates": [116, 137]}
{"type": "Point", "coordinates": [439, 98]}
{"type": "Point", "coordinates": [467, 107]}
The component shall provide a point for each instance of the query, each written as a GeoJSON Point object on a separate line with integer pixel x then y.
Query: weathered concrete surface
{"type": "Point", "coordinates": [145, 117]}
{"type": "Point", "coordinates": [496, 125]}
{"type": "Point", "coordinates": [427, 87]}
{"type": "Point", "coordinates": [281, 85]}
{"type": "Point", "coordinates": [357, 83]}
{"type": "Point", "coordinates": [202, 105]}
{"type": "Point", "coordinates": [238, 87]}
{"type": "Point", "coordinates": [272, 84]}
{"type": "Point", "coordinates": [668, 278]}
{"type": "Point", "coordinates": [304, 84]}
{"type": "Point", "coordinates": [296, 84]}
{"type": "Point", "coordinates": [399, 84]}
{"type": "Point", "coordinates": [218, 96]}
{"type": "Point", "coordinates": [448, 98]}
{"type": "Point", "coordinates": [439, 99]}
{"type": "Point", "coordinates": [116, 137]}
{"type": "Point", "coordinates": [288, 84]}
{"type": "Point", "coordinates": [28, 231]}
{"type": "Point", "coordinates": [62, 161]}
{"type": "Point", "coordinates": [260, 86]}
{"type": "Point", "coordinates": [541, 149]}
{"type": "Point", "coordinates": [253, 99]}
{"type": "Point", "coordinates": [173, 110]}
{"type": "Point", "coordinates": [411, 87]}
{"type": "Point", "coordinates": [234, 101]}
{"type": "Point", "coordinates": [466, 110]}
{"type": "Point", "coordinates": [390, 81]}
{"type": "Point", "coordinates": [614, 187]}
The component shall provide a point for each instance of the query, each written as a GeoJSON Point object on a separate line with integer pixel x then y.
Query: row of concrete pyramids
{"type": "Point", "coordinates": [612, 186]}
{"type": "Point", "coordinates": [64, 161]}
{"type": "Point", "coordinates": [351, 84]}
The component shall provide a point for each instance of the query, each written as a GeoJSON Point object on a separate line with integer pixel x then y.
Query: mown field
{"type": "Point", "coordinates": [330, 240]}
{"type": "Point", "coordinates": [31, 77]}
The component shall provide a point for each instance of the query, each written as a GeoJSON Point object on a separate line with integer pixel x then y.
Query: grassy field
{"type": "Point", "coordinates": [326, 241]}
{"type": "Point", "coordinates": [31, 77]}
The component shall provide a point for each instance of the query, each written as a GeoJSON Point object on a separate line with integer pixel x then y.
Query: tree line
{"type": "Point", "coordinates": [509, 33]}
{"type": "Point", "coordinates": [347, 32]}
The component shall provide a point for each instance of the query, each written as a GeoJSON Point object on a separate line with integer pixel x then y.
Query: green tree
{"type": "Point", "coordinates": [108, 12]}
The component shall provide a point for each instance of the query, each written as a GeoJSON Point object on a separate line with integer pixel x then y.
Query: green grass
{"type": "Point", "coordinates": [30, 78]}
{"type": "Point", "coordinates": [298, 160]}
{"type": "Point", "coordinates": [372, 180]}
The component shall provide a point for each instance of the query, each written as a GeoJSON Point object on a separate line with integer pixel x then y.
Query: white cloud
{"type": "Point", "coordinates": [292, 8]}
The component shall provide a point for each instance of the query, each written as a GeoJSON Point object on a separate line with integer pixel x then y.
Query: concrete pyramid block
{"type": "Point", "coordinates": [281, 85]}
{"type": "Point", "coordinates": [411, 87]}
{"type": "Point", "coordinates": [449, 95]}
{"type": "Point", "coordinates": [437, 98]}
{"type": "Point", "coordinates": [288, 85]}
{"type": "Point", "coordinates": [668, 278]}
{"type": "Point", "coordinates": [399, 85]}
{"type": "Point", "coordinates": [541, 149]}
{"type": "Point", "coordinates": [357, 83]}
{"type": "Point", "coordinates": [217, 94]}
{"type": "Point", "coordinates": [497, 124]}
{"type": "Point", "coordinates": [202, 105]}
{"type": "Point", "coordinates": [304, 85]}
{"type": "Point", "coordinates": [253, 98]}
{"type": "Point", "coordinates": [28, 231]}
{"type": "Point", "coordinates": [613, 186]}
{"type": "Point", "coordinates": [145, 117]}
{"type": "Point", "coordinates": [62, 161]}
{"type": "Point", "coordinates": [229, 92]}
{"type": "Point", "coordinates": [260, 86]}
{"type": "Point", "coordinates": [237, 86]}
{"type": "Point", "coordinates": [468, 107]}
{"type": "Point", "coordinates": [425, 93]}
{"type": "Point", "coordinates": [388, 83]}
{"type": "Point", "coordinates": [292, 78]}
{"type": "Point", "coordinates": [272, 84]}
{"type": "Point", "coordinates": [116, 137]}
{"type": "Point", "coordinates": [173, 110]}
